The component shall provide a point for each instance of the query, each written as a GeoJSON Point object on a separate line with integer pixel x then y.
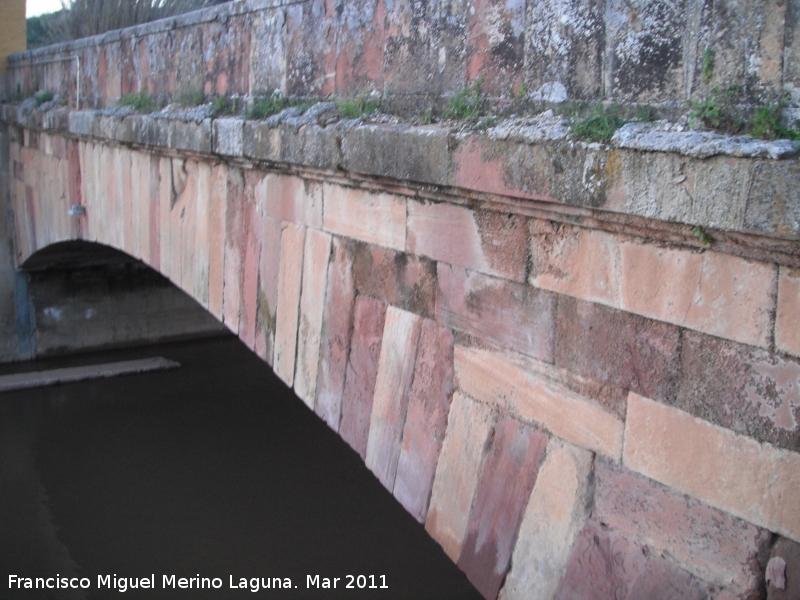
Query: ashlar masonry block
{"type": "Point", "coordinates": [289, 285]}
{"type": "Point", "coordinates": [756, 482]}
{"type": "Point", "coordinates": [502, 380]}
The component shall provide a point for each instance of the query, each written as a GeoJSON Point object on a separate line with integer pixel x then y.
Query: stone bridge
{"type": "Point", "coordinates": [578, 364]}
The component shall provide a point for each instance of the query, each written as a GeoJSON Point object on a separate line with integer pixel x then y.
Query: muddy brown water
{"type": "Point", "coordinates": [213, 470]}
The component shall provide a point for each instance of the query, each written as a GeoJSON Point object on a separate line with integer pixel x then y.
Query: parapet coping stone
{"type": "Point", "coordinates": [659, 136]}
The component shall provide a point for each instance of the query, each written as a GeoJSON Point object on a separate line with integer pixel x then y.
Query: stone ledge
{"type": "Point", "coordinates": [533, 162]}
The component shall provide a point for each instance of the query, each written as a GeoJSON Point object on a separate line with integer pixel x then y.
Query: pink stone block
{"type": "Point", "coordinates": [711, 544]}
{"type": "Point", "coordinates": [618, 348]}
{"type": "Point", "coordinates": [787, 324]}
{"type": "Point", "coordinates": [233, 275]}
{"type": "Point", "coordinates": [469, 426]}
{"type": "Point", "coordinates": [249, 248]}
{"type": "Point", "coordinates": [511, 383]}
{"type": "Point", "coordinates": [290, 198]}
{"type": "Point", "coordinates": [269, 272]}
{"type": "Point", "coordinates": [508, 314]}
{"type": "Point", "coordinates": [578, 262]}
{"type": "Point", "coordinates": [606, 565]}
{"type": "Point", "coordinates": [756, 482]}
{"type": "Point", "coordinates": [426, 419]}
{"type": "Point", "coordinates": [374, 218]}
{"type": "Point", "coordinates": [398, 279]}
{"type": "Point", "coordinates": [184, 215]}
{"type": "Point", "coordinates": [508, 477]}
{"type": "Point", "coordinates": [165, 199]}
{"type": "Point", "coordinates": [556, 513]}
{"type": "Point", "coordinates": [216, 239]}
{"type": "Point", "coordinates": [154, 258]}
{"type": "Point", "coordinates": [133, 230]}
{"type": "Point", "coordinates": [715, 293]}
{"type": "Point", "coordinates": [480, 240]}
{"type": "Point", "coordinates": [126, 197]}
{"type": "Point", "coordinates": [392, 385]}
{"type": "Point", "coordinates": [199, 277]}
{"type": "Point", "coordinates": [336, 332]}
{"type": "Point", "coordinates": [289, 282]}
{"type": "Point", "coordinates": [362, 370]}
{"type": "Point", "coordinates": [312, 306]}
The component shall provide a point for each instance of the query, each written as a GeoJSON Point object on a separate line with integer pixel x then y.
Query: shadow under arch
{"type": "Point", "coordinates": [83, 296]}
{"type": "Point", "coordinates": [206, 464]}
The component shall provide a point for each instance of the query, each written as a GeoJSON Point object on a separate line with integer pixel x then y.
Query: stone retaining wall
{"type": "Point", "coordinates": [575, 395]}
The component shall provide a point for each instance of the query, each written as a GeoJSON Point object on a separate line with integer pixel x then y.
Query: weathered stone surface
{"type": "Point", "coordinates": [556, 512]}
{"type": "Point", "coordinates": [426, 419]}
{"type": "Point", "coordinates": [199, 278]}
{"type": "Point", "coordinates": [786, 552]}
{"type": "Point", "coordinates": [289, 285]}
{"type": "Point", "coordinates": [605, 565]}
{"type": "Point", "coordinates": [757, 482]}
{"type": "Point", "coordinates": [337, 327]}
{"type": "Point", "coordinates": [392, 386]}
{"type": "Point", "coordinates": [667, 284]}
{"type": "Point", "coordinates": [374, 218]}
{"type": "Point", "coordinates": [658, 137]}
{"type": "Point", "coordinates": [707, 542]}
{"type": "Point", "coordinates": [405, 153]}
{"type": "Point", "coordinates": [508, 477]}
{"type": "Point", "coordinates": [228, 136]}
{"type": "Point", "coordinates": [269, 267]}
{"type": "Point", "coordinates": [574, 261]}
{"type": "Point", "coordinates": [742, 388]}
{"type": "Point", "coordinates": [469, 426]}
{"type": "Point", "coordinates": [644, 46]}
{"type": "Point", "coordinates": [502, 379]}
{"type": "Point", "coordinates": [289, 198]}
{"type": "Point", "coordinates": [232, 265]}
{"type": "Point", "coordinates": [362, 370]}
{"type": "Point", "coordinates": [564, 45]}
{"type": "Point", "coordinates": [312, 303]}
{"type": "Point", "coordinates": [216, 239]}
{"type": "Point", "coordinates": [787, 323]}
{"type": "Point", "coordinates": [396, 278]}
{"type": "Point", "coordinates": [250, 251]}
{"type": "Point", "coordinates": [715, 293]}
{"type": "Point", "coordinates": [616, 347]}
{"type": "Point", "coordinates": [505, 313]}
{"type": "Point", "coordinates": [479, 240]}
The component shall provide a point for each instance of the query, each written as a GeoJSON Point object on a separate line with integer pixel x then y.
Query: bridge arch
{"type": "Point", "coordinates": [458, 348]}
{"type": "Point", "coordinates": [80, 296]}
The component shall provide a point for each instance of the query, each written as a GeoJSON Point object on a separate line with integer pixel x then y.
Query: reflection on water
{"type": "Point", "coordinates": [213, 475]}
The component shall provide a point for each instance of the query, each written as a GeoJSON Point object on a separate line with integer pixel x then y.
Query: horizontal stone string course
{"type": "Point", "coordinates": [537, 415]}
